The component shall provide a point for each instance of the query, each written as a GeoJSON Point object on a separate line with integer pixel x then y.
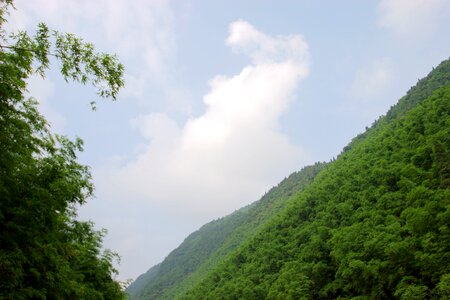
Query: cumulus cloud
{"type": "Point", "coordinates": [184, 175]}
{"type": "Point", "coordinates": [412, 18]}
{"type": "Point", "coordinates": [244, 38]}
{"type": "Point", "coordinates": [232, 153]}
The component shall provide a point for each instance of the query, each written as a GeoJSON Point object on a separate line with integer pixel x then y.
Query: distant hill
{"type": "Point", "coordinates": [139, 284]}
{"type": "Point", "coordinates": [372, 224]}
{"type": "Point", "coordinates": [204, 249]}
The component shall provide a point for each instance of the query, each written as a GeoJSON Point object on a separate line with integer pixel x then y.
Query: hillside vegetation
{"type": "Point", "coordinates": [205, 248]}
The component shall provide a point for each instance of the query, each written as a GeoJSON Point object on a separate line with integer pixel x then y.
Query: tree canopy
{"type": "Point", "coordinates": [45, 251]}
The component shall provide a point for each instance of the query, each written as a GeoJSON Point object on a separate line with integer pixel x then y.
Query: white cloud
{"type": "Point", "coordinates": [412, 18]}
{"type": "Point", "coordinates": [232, 153]}
{"type": "Point", "coordinates": [184, 176]}
{"type": "Point", "coordinates": [244, 38]}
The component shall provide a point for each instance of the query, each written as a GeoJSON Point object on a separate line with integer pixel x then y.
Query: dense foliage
{"type": "Point", "coordinates": [45, 252]}
{"type": "Point", "coordinates": [374, 225]}
{"type": "Point", "coordinates": [204, 249]}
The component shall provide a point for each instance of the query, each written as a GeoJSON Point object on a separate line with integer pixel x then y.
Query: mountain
{"type": "Point", "coordinates": [139, 284]}
{"type": "Point", "coordinates": [372, 224]}
{"type": "Point", "coordinates": [204, 249]}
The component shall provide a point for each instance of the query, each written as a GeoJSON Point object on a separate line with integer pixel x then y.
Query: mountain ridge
{"type": "Point", "coordinates": [300, 253]}
{"type": "Point", "coordinates": [373, 225]}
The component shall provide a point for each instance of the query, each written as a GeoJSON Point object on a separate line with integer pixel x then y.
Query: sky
{"type": "Point", "coordinates": [224, 99]}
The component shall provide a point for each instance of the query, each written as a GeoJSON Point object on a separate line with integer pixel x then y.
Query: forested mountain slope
{"type": "Point", "coordinates": [204, 249]}
{"type": "Point", "coordinates": [139, 284]}
{"type": "Point", "coordinates": [375, 224]}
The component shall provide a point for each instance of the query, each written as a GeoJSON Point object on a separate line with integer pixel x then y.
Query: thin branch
{"type": "Point", "coordinates": [27, 49]}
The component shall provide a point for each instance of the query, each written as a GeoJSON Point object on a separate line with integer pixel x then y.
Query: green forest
{"type": "Point", "coordinates": [371, 224]}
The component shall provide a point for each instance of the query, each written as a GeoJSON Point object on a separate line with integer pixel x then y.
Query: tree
{"type": "Point", "coordinates": [45, 252]}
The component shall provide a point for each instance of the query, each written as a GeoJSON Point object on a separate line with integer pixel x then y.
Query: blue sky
{"type": "Point", "coordinates": [223, 99]}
